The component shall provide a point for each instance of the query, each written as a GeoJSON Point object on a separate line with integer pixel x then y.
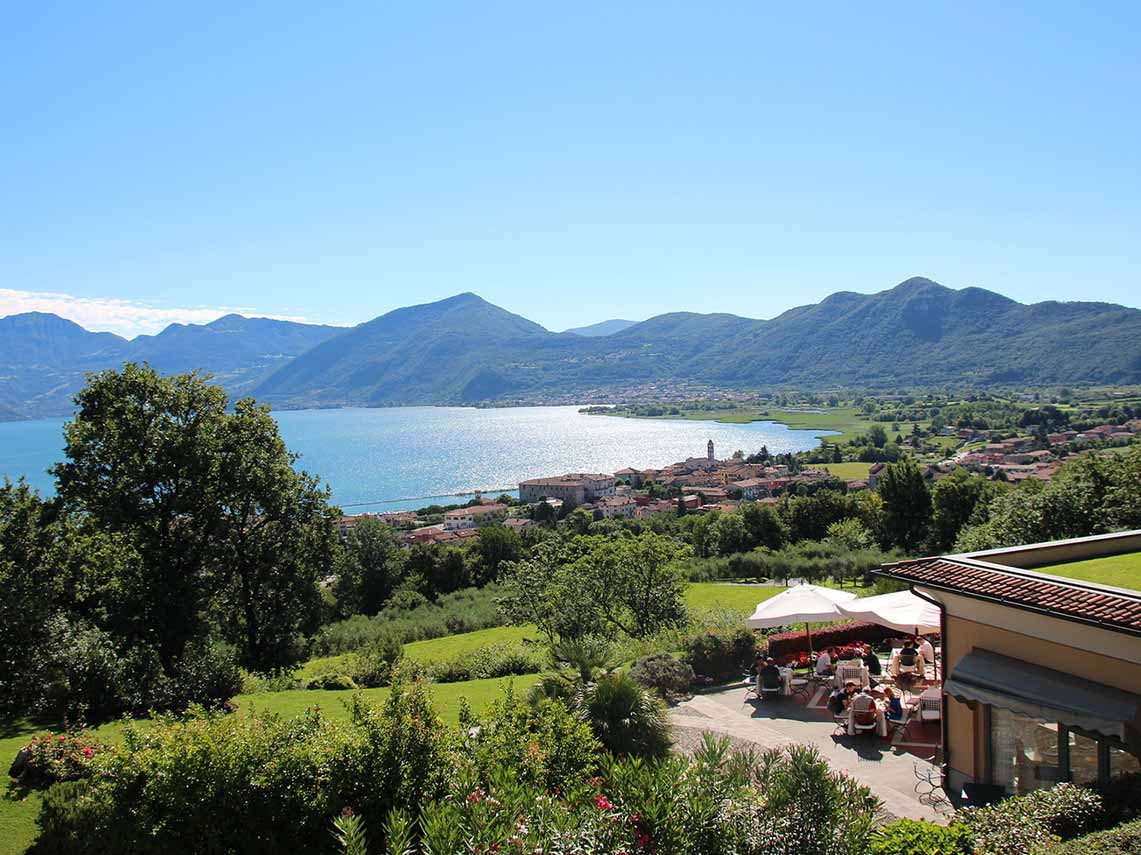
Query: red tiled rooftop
{"type": "Point", "coordinates": [1107, 607]}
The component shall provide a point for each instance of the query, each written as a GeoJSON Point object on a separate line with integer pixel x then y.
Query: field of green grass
{"type": "Point", "coordinates": [707, 596]}
{"type": "Point", "coordinates": [847, 471]}
{"type": "Point", "coordinates": [1121, 571]}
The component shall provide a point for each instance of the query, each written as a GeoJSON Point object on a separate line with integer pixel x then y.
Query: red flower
{"type": "Point", "coordinates": [62, 737]}
{"type": "Point", "coordinates": [87, 752]}
{"type": "Point", "coordinates": [603, 803]}
{"type": "Point", "coordinates": [641, 839]}
{"type": "Point", "coordinates": [346, 811]}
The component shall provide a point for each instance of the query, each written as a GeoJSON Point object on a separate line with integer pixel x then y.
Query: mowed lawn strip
{"type": "Point", "coordinates": [333, 704]}
{"type": "Point", "coordinates": [1120, 571]}
{"type": "Point", "coordinates": [442, 649]}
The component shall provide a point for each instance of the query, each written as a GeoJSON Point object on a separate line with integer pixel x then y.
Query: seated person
{"type": "Point", "coordinates": [758, 663]}
{"type": "Point", "coordinates": [908, 655]}
{"type": "Point", "coordinates": [894, 708]}
{"type": "Point", "coordinates": [824, 663]}
{"type": "Point", "coordinates": [926, 651]}
{"type": "Point", "coordinates": [770, 675]}
{"type": "Point", "coordinates": [863, 709]}
{"type": "Point", "coordinates": [839, 699]}
{"type": "Point", "coordinates": [871, 661]}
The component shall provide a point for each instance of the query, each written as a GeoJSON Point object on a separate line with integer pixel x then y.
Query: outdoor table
{"type": "Point", "coordinates": [853, 670]}
{"type": "Point", "coordinates": [786, 681]}
{"type": "Point", "coordinates": [881, 721]}
{"type": "Point", "coordinates": [920, 665]}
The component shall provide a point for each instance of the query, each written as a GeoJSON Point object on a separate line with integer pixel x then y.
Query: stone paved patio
{"type": "Point", "coordinates": [887, 767]}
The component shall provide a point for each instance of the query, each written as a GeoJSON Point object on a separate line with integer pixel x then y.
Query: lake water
{"type": "Point", "coordinates": [408, 457]}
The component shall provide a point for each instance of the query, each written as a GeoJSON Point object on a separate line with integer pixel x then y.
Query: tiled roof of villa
{"type": "Point", "coordinates": [1111, 608]}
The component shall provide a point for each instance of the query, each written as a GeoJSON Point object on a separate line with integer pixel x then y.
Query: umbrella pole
{"type": "Point", "coordinates": [808, 632]}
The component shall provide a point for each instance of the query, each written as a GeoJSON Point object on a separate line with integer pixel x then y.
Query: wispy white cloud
{"type": "Point", "coordinates": [126, 317]}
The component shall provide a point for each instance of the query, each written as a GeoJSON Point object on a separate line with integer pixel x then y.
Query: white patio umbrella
{"type": "Point", "coordinates": [800, 603]}
{"type": "Point", "coordinates": [901, 610]}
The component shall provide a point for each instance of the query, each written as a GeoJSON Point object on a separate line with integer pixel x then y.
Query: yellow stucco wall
{"type": "Point", "coordinates": [965, 736]}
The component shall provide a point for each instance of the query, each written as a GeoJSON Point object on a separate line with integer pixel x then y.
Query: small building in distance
{"type": "Point", "coordinates": [473, 517]}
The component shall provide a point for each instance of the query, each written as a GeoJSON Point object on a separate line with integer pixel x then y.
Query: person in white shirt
{"type": "Point", "coordinates": [823, 664]}
{"type": "Point", "coordinates": [926, 651]}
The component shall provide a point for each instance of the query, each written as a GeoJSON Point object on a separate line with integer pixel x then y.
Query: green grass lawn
{"type": "Point", "coordinates": [707, 596]}
{"type": "Point", "coordinates": [847, 471]}
{"type": "Point", "coordinates": [1121, 571]}
{"type": "Point", "coordinates": [445, 696]}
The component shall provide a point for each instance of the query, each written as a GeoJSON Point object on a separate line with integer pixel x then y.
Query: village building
{"type": "Point", "coordinates": [613, 507]}
{"type": "Point", "coordinates": [473, 517]}
{"type": "Point", "coordinates": [573, 489]}
{"type": "Point", "coordinates": [1041, 672]}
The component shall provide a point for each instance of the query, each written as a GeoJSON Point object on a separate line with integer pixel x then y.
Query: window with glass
{"type": "Point", "coordinates": [1024, 752]}
{"type": "Point", "coordinates": [1028, 754]}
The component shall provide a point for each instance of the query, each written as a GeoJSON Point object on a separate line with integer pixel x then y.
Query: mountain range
{"type": "Point", "coordinates": [464, 350]}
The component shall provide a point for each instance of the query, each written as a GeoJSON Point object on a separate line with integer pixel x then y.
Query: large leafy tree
{"type": "Point", "coordinates": [369, 568]}
{"type": "Point", "coordinates": [954, 500]}
{"type": "Point", "coordinates": [276, 539]}
{"type": "Point", "coordinates": [227, 535]}
{"type": "Point", "coordinates": [906, 505]}
{"type": "Point", "coordinates": [598, 585]}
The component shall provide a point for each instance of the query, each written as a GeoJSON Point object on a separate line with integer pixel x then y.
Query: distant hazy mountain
{"type": "Point", "coordinates": [602, 328]}
{"type": "Point", "coordinates": [44, 358]}
{"type": "Point", "coordinates": [464, 349]}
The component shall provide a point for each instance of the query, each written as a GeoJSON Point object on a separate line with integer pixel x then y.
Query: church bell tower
{"type": "Point", "coordinates": [709, 450]}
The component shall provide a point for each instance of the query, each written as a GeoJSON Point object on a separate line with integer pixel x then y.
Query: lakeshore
{"type": "Point", "coordinates": [404, 458]}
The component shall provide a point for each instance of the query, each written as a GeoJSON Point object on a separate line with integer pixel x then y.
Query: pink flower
{"type": "Point", "coordinates": [87, 751]}
{"type": "Point", "coordinates": [603, 803]}
{"type": "Point", "coordinates": [346, 811]}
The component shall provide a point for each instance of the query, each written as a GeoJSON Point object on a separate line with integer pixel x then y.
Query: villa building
{"type": "Point", "coordinates": [1041, 672]}
{"type": "Point", "coordinates": [573, 489]}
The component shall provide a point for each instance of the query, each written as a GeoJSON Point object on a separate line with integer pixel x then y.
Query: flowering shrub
{"type": "Point", "coordinates": [800, 659]}
{"type": "Point", "coordinates": [50, 757]}
{"type": "Point", "coordinates": [785, 643]}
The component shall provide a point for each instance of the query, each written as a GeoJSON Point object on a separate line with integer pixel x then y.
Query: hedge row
{"type": "Point", "coordinates": [786, 643]}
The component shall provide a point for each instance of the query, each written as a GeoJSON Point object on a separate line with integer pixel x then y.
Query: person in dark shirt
{"type": "Point", "coordinates": [871, 661]}
{"type": "Point", "coordinates": [838, 701]}
{"type": "Point", "coordinates": [770, 673]}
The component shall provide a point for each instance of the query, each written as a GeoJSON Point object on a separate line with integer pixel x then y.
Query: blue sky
{"type": "Point", "coordinates": [335, 161]}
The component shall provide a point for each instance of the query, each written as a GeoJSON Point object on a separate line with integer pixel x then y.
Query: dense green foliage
{"type": "Point", "coordinates": [182, 542]}
{"type": "Point", "coordinates": [597, 585]}
{"type": "Point", "coordinates": [1090, 495]}
{"type": "Point", "coordinates": [1123, 840]}
{"type": "Point", "coordinates": [911, 836]}
{"type": "Point", "coordinates": [521, 777]}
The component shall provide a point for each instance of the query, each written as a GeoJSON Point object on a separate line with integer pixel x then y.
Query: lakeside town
{"type": "Point", "coordinates": [707, 483]}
